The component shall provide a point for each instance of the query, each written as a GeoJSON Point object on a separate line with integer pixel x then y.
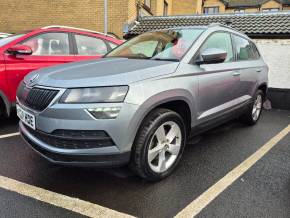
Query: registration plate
{"type": "Point", "coordinates": [25, 117]}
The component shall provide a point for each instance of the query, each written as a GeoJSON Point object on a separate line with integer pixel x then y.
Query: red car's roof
{"type": "Point", "coordinates": [30, 33]}
{"type": "Point", "coordinates": [82, 31]}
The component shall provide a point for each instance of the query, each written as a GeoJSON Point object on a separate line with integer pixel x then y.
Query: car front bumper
{"type": "Point", "coordinates": [112, 150]}
{"type": "Point", "coordinates": [68, 158]}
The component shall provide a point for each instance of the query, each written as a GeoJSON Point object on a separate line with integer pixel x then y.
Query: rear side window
{"type": "Point", "coordinates": [51, 44]}
{"type": "Point", "coordinates": [255, 51]}
{"type": "Point", "coordinates": [220, 40]}
{"type": "Point", "coordinates": [245, 50]}
{"type": "Point", "coordinates": [87, 45]}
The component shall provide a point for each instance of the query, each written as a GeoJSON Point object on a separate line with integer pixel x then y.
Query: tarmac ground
{"type": "Point", "coordinates": [261, 190]}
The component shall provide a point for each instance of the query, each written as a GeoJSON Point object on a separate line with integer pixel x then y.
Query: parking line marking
{"type": "Point", "coordinates": [196, 206]}
{"type": "Point", "coordinates": [9, 135]}
{"type": "Point", "coordinates": [73, 204]}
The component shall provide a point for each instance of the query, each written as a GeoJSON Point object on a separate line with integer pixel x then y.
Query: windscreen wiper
{"type": "Point", "coordinates": [165, 59]}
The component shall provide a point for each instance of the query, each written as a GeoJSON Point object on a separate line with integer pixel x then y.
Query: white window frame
{"type": "Point", "coordinates": [270, 9]}
{"type": "Point", "coordinates": [214, 10]}
{"type": "Point", "coordinates": [239, 10]}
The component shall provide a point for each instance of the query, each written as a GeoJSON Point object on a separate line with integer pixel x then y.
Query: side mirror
{"type": "Point", "coordinates": [19, 50]}
{"type": "Point", "coordinates": [212, 56]}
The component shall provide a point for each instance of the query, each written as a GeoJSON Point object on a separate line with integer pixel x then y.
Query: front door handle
{"type": "Point", "coordinates": [259, 71]}
{"type": "Point", "coordinates": [236, 73]}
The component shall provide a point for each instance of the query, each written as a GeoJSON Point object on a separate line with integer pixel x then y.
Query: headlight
{"type": "Point", "coordinates": [95, 95]}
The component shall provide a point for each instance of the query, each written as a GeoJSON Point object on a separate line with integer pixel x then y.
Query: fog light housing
{"type": "Point", "coordinates": [104, 112]}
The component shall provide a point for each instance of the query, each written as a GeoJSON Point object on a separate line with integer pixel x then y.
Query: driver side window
{"type": "Point", "coordinates": [220, 40]}
{"type": "Point", "coordinates": [49, 44]}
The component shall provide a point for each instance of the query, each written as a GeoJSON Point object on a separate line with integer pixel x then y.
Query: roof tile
{"type": "Point", "coordinates": [249, 23]}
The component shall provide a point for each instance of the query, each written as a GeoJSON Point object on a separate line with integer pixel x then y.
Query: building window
{"type": "Point", "coordinates": [165, 9]}
{"type": "Point", "coordinates": [211, 10]}
{"type": "Point", "coordinates": [270, 9]}
{"type": "Point", "coordinates": [147, 3]}
{"type": "Point", "coordinates": [240, 11]}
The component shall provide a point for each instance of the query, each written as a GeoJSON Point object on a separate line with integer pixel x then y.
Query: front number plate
{"type": "Point", "coordinates": [26, 117]}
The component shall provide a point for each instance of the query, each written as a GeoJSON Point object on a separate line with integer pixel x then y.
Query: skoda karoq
{"type": "Point", "coordinates": [143, 101]}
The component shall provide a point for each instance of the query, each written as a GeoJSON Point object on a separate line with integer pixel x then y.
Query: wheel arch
{"type": "Point", "coordinates": [169, 100]}
{"type": "Point", "coordinates": [5, 102]}
{"type": "Point", "coordinates": [264, 88]}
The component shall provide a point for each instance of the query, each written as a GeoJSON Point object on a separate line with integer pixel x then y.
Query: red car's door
{"type": "Point", "coordinates": [89, 47]}
{"type": "Point", "coordinates": [49, 49]}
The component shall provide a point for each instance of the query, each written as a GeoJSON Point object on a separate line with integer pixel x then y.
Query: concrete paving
{"type": "Point", "coordinates": [204, 162]}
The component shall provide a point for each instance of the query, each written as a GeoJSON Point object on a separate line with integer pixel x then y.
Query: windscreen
{"type": "Point", "coordinates": [9, 39]}
{"type": "Point", "coordinates": [170, 45]}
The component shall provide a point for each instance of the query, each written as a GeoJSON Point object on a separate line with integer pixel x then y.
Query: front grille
{"type": "Point", "coordinates": [35, 98]}
{"type": "Point", "coordinates": [39, 99]}
{"type": "Point", "coordinates": [74, 139]}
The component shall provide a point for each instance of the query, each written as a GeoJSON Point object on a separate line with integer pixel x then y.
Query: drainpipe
{"type": "Point", "coordinates": [105, 16]}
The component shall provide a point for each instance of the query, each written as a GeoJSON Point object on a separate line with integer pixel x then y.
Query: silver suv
{"type": "Point", "coordinates": [142, 102]}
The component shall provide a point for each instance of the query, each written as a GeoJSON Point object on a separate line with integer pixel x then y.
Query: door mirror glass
{"type": "Point", "coordinates": [19, 50]}
{"type": "Point", "coordinates": [216, 49]}
{"type": "Point", "coordinates": [212, 56]}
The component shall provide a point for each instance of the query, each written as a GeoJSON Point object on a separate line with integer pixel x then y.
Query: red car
{"type": "Point", "coordinates": [25, 52]}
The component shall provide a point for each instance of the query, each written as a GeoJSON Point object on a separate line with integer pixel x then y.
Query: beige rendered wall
{"type": "Point", "coordinates": [271, 4]}
{"type": "Point", "coordinates": [16, 15]}
{"type": "Point", "coordinates": [78, 13]}
{"type": "Point", "coordinates": [132, 10]}
{"type": "Point", "coordinates": [158, 7]}
{"type": "Point", "coordinates": [186, 7]}
{"type": "Point", "coordinates": [117, 15]}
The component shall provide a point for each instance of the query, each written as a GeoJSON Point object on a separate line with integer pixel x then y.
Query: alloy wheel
{"type": "Point", "coordinates": [257, 108]}
{"type": "Point", "coordinates": [164, 147]}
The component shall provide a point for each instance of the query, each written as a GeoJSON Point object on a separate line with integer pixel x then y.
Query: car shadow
{"type": "Point", "coordinates": [8, 125]}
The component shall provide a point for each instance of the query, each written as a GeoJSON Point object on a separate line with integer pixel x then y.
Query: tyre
{"type": "Point", "coordinates": [254, 112]}
{"type": "Point", "coordinates": [159, 145]}
{"type": "Point", "coordinates": [2, 108]}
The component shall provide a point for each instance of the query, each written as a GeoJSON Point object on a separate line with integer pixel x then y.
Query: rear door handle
{"type": "Point", "coordinates": [259, 71]}
{"type": "Point", "coordinates": [236, 73]}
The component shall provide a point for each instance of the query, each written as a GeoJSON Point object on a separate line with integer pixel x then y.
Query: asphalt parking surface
{"type": "Point", "coordinates": [15, 205]}
{"type": "Point", "coordinates": [263, 191]}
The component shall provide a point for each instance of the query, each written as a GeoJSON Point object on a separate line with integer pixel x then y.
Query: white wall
{"type": "Point", "coordinates": [276, 53]}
